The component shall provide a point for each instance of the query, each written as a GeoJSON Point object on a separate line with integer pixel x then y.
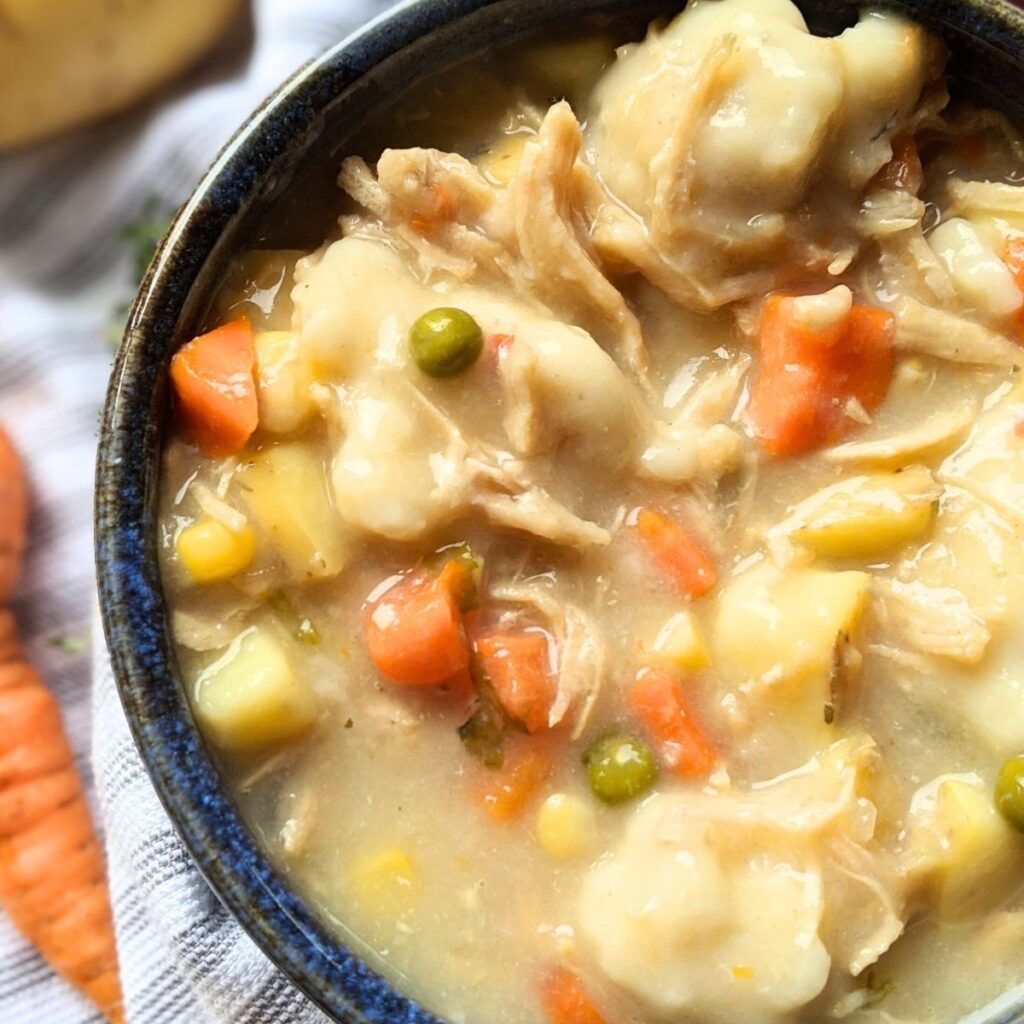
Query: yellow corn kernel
{"type": "Point", "coordinates": [741, 972]}
{"type": "Point", "coordinates": [210, 551]}
{"type": "Point", "coordinates": [679, 642]}
{"type": "Point", "coordinates": [565, 826]}
{"type": "Point", "coordinates": [385, 882]}
{"type": "Point", "coordinates": [501, 160]}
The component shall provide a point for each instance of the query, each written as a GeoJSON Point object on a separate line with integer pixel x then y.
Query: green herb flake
{"type": "Point", "coordinates": [483, 733]}
{"type": "Point", "coordinates": [301, 626]}
{"type": "Point", "coordinates": [69, 644]}
{"type": "Point", "coordinates": [140, 237]}
{"type": "Point", "coordinates": [307, 632]}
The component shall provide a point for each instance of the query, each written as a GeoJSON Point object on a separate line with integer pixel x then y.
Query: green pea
{"type": "Point", "coordinates": [1009, 795]}
{"type": "Point", "coordinates": [445, 341]}
{"type": "Point", "coordinates": [619, 767]}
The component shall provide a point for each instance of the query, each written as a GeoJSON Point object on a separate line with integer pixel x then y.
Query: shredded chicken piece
{"type": "Point", "coordinates": [887, 212]}
{"type": "Point", "coordinates": [623, 241]}
{"type": "Point", "coordinates": [500, 486]}
{"type": "Point", "coordinates": [297, 829]}
{"type": "Point", "coordinates": [582, 653]}
{"type": "Point", "coordinates": [714, 398]}
{"type": "Point", "coordinates": [934, 436]}
{"type": "Point", "coordinates": [898, 656]}
{"type": "Point", "coordinates": [935, 332]}
{"type": "Point", "coordinates": [216, 508]}
{"type": "Point", "coordinates": [437, 198]}
{"type": "Point", "coordinates": [199, 629]}
{"type": "Point", "coordinates": [870, 917]}
{"type": "Point", "coordinates": [969, 197]}
{"type": "Point", "coordinates": [935, 620]}
{"type": "Point", "coordinates": [696, 444]}
{"type": "Point", "coordinates": [561, 268]}
{"type": "Point", "coordinates": [910, 267]}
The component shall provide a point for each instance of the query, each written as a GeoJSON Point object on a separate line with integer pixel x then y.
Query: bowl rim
{"type": "Point", "coordinates": [133, 611]}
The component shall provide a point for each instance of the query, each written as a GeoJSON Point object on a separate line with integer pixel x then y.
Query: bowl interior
{"type": "Point", "coordinates": [274, 186]}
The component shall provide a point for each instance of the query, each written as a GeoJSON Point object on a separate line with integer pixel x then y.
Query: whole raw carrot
{"type": "Point", "coordinates": [13, 516]}
{"type": "Point", "coordinates": [52, 880]}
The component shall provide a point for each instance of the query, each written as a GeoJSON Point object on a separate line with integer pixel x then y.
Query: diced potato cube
{"type": "Point", "coordinates": [501, 159]}
{"type": "Point", "coordinates": [385, 882]}
{"type": "Point", "coordinates": [283, 380]}
{"type": "Point", "coordinates": [212, 552]}
{"type": "Point", "coordinates": [866, 516]}
{"type": "Point", "coordinates": [990, 464]}
{"type": "Point", "coordinates": [781, 642]}
{"type": "Point", "coordinates": [783, 627]}
{"type": "Point", "coordinates": [962, 847]}
{"type": "Point", "coordinates": [251, 696]}
{"type": "Point", "coordinates": [288, 494]}
{"type": "Point", "coordinates": [566, 826]}
{"type": "Point", "coordinates": [680, 643]}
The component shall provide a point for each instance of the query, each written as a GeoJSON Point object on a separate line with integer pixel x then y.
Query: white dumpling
{"type": "Point", "coordinates": [349, 303]}
{"type": "Point", "coordinates": [714, 130]}
{"type": "Point", "coordinates": [717, 907]}
{"type": "Point", "coordinates": [392, 475]}
{"type": "Point", "coordinates": [699, 933]}
{"type": "Point", "coordinates": [561, 384]}
{"type": "Point", "coordinates": [886, 62]}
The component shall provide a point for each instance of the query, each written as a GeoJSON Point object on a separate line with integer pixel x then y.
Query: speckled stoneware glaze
{"type": "Point", "coordinates": [332, 97]}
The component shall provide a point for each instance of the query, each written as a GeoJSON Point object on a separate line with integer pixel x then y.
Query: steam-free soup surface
{"type": "Point", "coordinates": [597, 566]}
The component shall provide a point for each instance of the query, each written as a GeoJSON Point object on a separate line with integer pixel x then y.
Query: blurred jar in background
{"type": "Point", "coordinates": [63, 62]}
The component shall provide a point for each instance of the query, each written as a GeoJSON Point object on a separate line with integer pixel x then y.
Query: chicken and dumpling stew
{"type": "Point", "coordinates": [598, 567]}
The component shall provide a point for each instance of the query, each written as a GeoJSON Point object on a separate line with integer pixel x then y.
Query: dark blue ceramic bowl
{"type": "Point", "coordinates": [330, 99]}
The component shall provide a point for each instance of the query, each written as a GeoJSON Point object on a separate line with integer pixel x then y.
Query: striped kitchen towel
{"type": "Point", "coordinates": [65, 270]}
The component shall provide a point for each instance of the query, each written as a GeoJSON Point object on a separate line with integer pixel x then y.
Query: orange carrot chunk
{"type": "Point", "coordinates": [414, 633]}
{"type": "Point", "coordinates": [525, 769]}
{"type": "Point", "coordinates": [660, 704]}
{"type": "Point", "coordinates": [676, 552]}
{"type": "Point", "coordinates": [215, 386]}
{"type": "Point", "coordinates": [517, 665]}
{"type": "Point", "coordinates": [1013, 257]}
{"type": "Point", "coordinates": [807, 379]}
{"type": "Point", "coordinates": [904, 170]}
{"type": "Point", "coordinates": [564, 1000]}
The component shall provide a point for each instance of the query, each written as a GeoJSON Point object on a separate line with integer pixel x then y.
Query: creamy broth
{"type": "Point", "coordinates": [720, 532]}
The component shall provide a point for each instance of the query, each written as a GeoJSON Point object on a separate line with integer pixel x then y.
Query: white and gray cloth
{"type": "Point", "coordinates": [64, 269]}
